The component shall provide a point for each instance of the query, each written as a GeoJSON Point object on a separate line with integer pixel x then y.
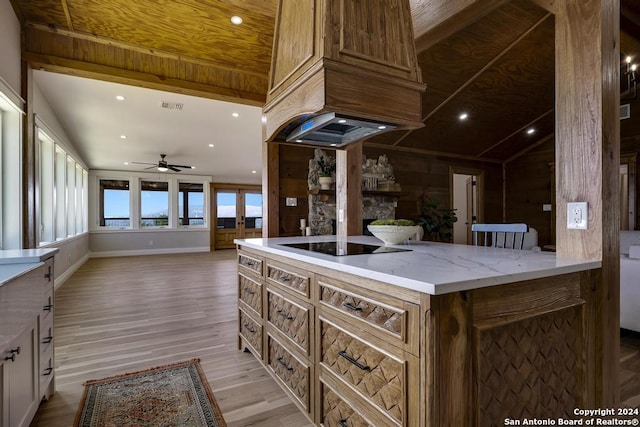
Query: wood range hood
{"type": "Point", "coordinates": [342, 71]}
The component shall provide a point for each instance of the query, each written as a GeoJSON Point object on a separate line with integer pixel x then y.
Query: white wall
{"type": "Point", "coordinates": [148, 242]}
{"type": "Point", "coordinates": [10, 67]}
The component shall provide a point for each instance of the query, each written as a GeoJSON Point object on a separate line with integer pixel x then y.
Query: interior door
{"type": "Point", "coordinates": [238, 216]}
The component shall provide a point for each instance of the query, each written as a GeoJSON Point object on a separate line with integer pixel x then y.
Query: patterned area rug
{"type": "Point", "coordinates": [172, 395]}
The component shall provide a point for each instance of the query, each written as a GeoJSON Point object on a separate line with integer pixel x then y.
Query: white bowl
{"type": "Point", "coordinates": [393, 234]}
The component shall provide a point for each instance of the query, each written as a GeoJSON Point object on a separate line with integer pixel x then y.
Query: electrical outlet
{"type": "Point", "coordinates": [546, 207]}
{"type": "Point", "coordinates": [577, 216]}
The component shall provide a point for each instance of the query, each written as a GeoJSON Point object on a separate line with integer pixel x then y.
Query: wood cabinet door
{"type": "Point", "coordinates": [22, 377]}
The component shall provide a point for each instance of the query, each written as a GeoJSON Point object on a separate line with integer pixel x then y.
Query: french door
{"type": "Point", "coordinates": [238, 215]}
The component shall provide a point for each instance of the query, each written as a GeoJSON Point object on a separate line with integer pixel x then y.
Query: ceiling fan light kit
{"type": "Point", "coordinates": [163, 166]}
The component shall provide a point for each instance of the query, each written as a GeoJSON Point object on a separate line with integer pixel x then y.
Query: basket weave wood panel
{"type": "Point", "coordinates": [335, 411]}
{"type": "Point", "coordinates": [530, 368]}
{"type": "Point", "coordinates": [382, 382]}
{"type": "Point", "coordinates": [250, 263]}
{"type": "Point", "coordinates": [365, 309]}
{"type": "Point", "coordinates": [250, 292]}
{"type": "Point", "coordinates": [251, 331]}
{"type": "Point", "coordinates": [293, 373]}
{"type": "Point", "coordinates": [291, 319]}
{"type": "Point", "coordinates": [291, 280]}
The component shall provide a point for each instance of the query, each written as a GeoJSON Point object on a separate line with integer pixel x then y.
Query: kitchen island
{"type": "Point", "coordinates": [434, 334]}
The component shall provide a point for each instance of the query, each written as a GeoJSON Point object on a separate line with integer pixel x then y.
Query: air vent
{"type": "Point", "coordinates": [625, 111]}
{"type": "Point", "coordinates": [171, 105]}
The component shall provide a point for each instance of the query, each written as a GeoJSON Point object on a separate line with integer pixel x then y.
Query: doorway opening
{"type": "Point", "coordinates": [466, 194]}
{"type": "Point", "coordinates": [237, 212]}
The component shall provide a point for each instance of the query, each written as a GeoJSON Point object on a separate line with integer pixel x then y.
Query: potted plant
{"type": "Point", "coordinates": [393, 231]}
{"type": "Point", "coordinates": [436, 222]}
{"type": "Point", "coordinates": [327, 166]}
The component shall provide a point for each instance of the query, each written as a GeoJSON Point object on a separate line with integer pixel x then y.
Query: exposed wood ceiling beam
{"type": "Point", "coordinates": [65, 7]}
{"type": "Point", "coordinates": [432, 153]}
{"type": "Point", "coordinates": [529, 148]}
{"type": "Point", "coordinates": [435, 20]}
{"type": "Point", "coordinates": [515, 132]}
{"type": "Point", "coordinates": [478, 73]}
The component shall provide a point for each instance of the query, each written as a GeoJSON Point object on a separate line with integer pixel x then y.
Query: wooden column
{"type": "Point", "coordinates": [270, 190]}
{"type": "Point", "coordinates": [30, 185]}
{"type": "Point", "coordinates": [587, 161]}
{"type": "Point", "coordinates": [349, 191]}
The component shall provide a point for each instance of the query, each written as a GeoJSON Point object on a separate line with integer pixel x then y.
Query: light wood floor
{"type": "Point", "coordinates": [119, 315]}
{"type": "Point", "coordinates": [126, 314]}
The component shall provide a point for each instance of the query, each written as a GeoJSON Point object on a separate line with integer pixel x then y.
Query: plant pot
{"type": "Point", "coordinates": [325, 182]}
{"type": "Point", "coordinates": [393, 234]}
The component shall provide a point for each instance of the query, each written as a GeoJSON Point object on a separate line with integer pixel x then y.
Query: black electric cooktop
{"type": "Point", "coordinates": [332, 248]}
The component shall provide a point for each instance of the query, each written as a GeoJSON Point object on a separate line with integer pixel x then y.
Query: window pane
{"type": "Point", "coordinates": [226, 206]}
{"type": "Point", "coordinates": [61, 194]}
{"type": "Point", "coordinates": [46, 191]}
{"type": "Point", "coordinates": [85, 198]}
{"type": "Point", "coordinates": [253, 210]}
{"type": "Point", "coordinates": [154, 204]}
{"type": "Point", "coordinates": [114, 203]}
{"type": "Point", "coordinates": [71, 197]}
{"type": "Point", "coordinates": [190, 204]}
{"type": "Point", "coordinates": [79, 199]}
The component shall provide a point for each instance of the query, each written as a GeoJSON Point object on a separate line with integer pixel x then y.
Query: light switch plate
{"type": "Point", "coordinates": [546, 207]}
{"type": "Point", "coordinates": [577, 216]}
{"type": "Point", "coordinates": [291, 201]}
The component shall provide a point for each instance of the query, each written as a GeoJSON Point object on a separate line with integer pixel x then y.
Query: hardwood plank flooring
{"type": "Point", "coordinates": [126, 314]}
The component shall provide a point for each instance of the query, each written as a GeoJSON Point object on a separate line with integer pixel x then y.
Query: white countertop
{"type": "Point", "coordinates": [430, 267]}
{"type": "Point", "coordinates": [16, 262]}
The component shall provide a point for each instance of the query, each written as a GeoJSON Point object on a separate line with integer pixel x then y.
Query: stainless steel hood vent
{"type": "Point", "coordinates": [332, 130]}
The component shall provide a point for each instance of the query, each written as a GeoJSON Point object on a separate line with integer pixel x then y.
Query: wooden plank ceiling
{"type": "Point", "coordinates": [498, 69]}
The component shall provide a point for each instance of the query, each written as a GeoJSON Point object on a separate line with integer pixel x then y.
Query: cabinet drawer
{"type": "Point", "coordinates": [379, 377]}
{"type": "Point", "coordinates": [48, 274]}
{"type": "Point", "coordinates": [295, 374]}
{"type": "Point", "coordinates": [394, 320]}
{"type": "Point", "coordinates": [290, 318]}
{"type": "Point", "coordinates": [47, 305]}
{"type": "Point", "coordinates": [251, 331]}
{"type": "Point", "coordinates": [250, 292]}
{"type": "Point", "coordinates": [289, 277]}
{"type": "Point", "coordinates": [336, 412]}
{"type": "Point", "coordinates": [250, 263]}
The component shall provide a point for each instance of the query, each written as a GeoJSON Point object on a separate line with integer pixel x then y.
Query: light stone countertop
{"type": "Point", "coordinates": [16, 262]}
{"type": "Point", "coordinates": [430, 267]}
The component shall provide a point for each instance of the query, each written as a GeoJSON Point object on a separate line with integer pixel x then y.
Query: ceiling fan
{"type": "Point", "coordinates": [163, 166]}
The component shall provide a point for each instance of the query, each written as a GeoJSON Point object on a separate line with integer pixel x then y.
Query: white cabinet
{"type": "Point", "coordinates": [20, 379]}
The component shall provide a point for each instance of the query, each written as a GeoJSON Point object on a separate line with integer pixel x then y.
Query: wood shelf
{"type": "Point", "coordinates": [364, 193]}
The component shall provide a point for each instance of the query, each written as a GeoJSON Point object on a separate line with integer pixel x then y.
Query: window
{"type": "Point", "coordinates": [114, 203]}
{"type": "Point", "coordinates": [60, 193]}
{"type": "Point", "coordinates": [190, 203]}
{"type": "Point", "coordinates": [46, 180]}
{"type": "Point", "coordinates": [85, 200]}
{"type": "Point", "coordinates": [10, 168]}
{"type": "Point", "coordinates": [71, 197]}
{"type": "Point", "coordinates": [154, 204]}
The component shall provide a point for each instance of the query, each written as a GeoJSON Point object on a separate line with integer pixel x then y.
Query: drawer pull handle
{"type": "Point", "coordinates": [249, 328]}
{"type": "Point", "coordinates": [249, 291]}
{"type": "Point", "coordinates": [283, 314]}
{"type": "Point", "coordinates": [47, 340]}
{"type": "Point", "coordinates": [343, 423]}
{"type": "Point", "coordinates": [13, 354]}
{"type": "Point", "coordinates": [283, 363]}
{"type": "Point", "coordinates": [47, 307]}
{"type": "Point", "coordinates": [351, 307]}
{"type": "Point", "coordinates": [354, 361]}
{"type": "Point", "coordinates": [47, 371]}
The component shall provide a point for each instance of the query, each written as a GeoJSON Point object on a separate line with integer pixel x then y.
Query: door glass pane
{"type": "Point", "coordinates": [154, 204]}
{"type": "Point", "coordinates": [253, 210]}
{"type": "Point", "coordinates": [226, 207]}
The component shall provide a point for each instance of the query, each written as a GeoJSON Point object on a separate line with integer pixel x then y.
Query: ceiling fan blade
{"type": "Point", "coordinates": [181, 166]}
{"type": "Point", "coordinates": [150, 167]}
{"type": "Point", "coordinates": [173, 168]}
{"type": "Point", "coordinates": [143, 163]}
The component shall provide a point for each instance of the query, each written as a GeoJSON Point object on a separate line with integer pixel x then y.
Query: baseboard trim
{"type": "Point", "coordinates": [108, 254]}
{"type": "Point", "coordinates": [59, 281]}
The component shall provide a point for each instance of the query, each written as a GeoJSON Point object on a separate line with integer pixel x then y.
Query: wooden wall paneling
{"type": "Point", "coordinates": [270, 190]}
{"type": "Point", "coordinates": [294, 171]}
{"type": "Point", "coordinates": [348, 191]}
{"type": "Point", "coordinates": [588, 160]}
{"type": "Point", "coordinates": [528, 187]}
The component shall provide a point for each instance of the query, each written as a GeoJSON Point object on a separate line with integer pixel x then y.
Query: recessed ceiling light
{"type": "Point", "coordinates": [463, 116]}
{"type": "Point", "coordinates": [334, 145]}
{"type": "Point", "coordinates": [628, 59]}
{"type": "Point", "coordinates": [236, 20]}
{"type": "Point", "coordinates": [298, 140]}
{"type": "Point", "coordinates": [120, 97]}
{"type": "Point", "coordinates": [382, 127]}
{"type": "Point", "coordinates": [193, 167]}
{"type": "Point", "coordinates": [211, 145]}
{"type": "Point", "coordinates": [254, 171]}
{"type": "Point", "coordinates": [126, 163]}
{"type": "Point", "coordinates": [531, 131]}
{"type": "Point", "coordinates": [341, 121]}
{"type": "Point", "coordinates": [123, 136]}
{"type": "Point", "coordinates": [235, 114]}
